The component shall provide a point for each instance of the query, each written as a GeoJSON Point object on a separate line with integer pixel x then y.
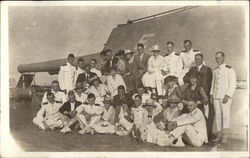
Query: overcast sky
{"type": "Point", "coordinates": [46, 33]}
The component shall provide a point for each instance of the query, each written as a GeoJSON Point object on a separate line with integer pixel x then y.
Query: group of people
{"type": "Point", "coordinates": [170, 101]}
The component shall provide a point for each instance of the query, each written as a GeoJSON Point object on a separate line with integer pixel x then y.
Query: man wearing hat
{"type": "Point", "coordinates": [156, 66]}
{"type": "Point", "coordinates": [128, 76]}
{"type": "Point", "coordinates": [98, 89]}
{"type": "Point", "coordinates": [79, 94]}
{"type": "Point", "coordinates": [66, 75]}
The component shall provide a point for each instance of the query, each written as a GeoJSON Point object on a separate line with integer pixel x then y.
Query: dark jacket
{"type": "Point", "coordinates": [66, 107]}
{"type": "Point", "coordinates": [204, 77]}
{"type": "Point", "coordinates": [82, 77]}
{"type": "Point", "coordinates": [118, 101]}
{"type": "Point", "coordinates": [141, 64]}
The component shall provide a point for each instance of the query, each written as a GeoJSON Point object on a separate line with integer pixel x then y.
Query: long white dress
{"type": "Point", "coordinates": [153, 77]}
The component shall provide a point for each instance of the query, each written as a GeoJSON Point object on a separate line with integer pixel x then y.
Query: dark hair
{"type": "Point", "coordinates": [50, 94]}
{"type": "Point", "coordinates": [199, 54]}
{"type": "Point", "coordinates": [107, 50]}
{"type": "Point", "coordinates": [170, 79]}
{"type": "Point", "coordinates": [80, 60]}
{"type": "Point", "coordinates": [121, 87]}
{"type": "Point", "coordinates": [113, 68]}
{"type": "Point", "coordinates": [140, 87]}
{"type": "Point", "coordinates": [71, 93]}
{"type": "Point", "coordinates": [94, 60]}
{"type": "Point", "coordinates": [140, 45]}
{"type": "Point", "coordinates": [71, 56]}
{"type": "Point", "coordinates": [91, 95]}
{"type": "Point", "coordinates": [138, 96]}
{"type": "Point", "coordinates": [55, 81]}
{"type": "Point", "coordinates": [187, 41]}
{"type": "Point", "coordinates": [87, 65]}
{"type": "Point", "coordinates": [223, 54]}
{"type": "Point", "coordinates": [170, 42]}
{"type": "Point", "coordinates": [103, 52]}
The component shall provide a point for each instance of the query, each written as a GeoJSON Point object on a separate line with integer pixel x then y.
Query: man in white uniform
{"type": "Point", "coordinates": [89, 114]}
{"type": "Point", "coordinates": [59, 96]}
{"type": "Point", "coordinates": [188, 59]}
{"type": "Point", "coordinates": [191, 126]}
{"type": "Point", "coordinates": [49, 117]}
{"type": "Point", "coordinates": [66, 75]}
{"type": "Point", "coordinates": [222, 90]}
{"type": "Point", "coordinates": [173, 61]}
{"type": "Point", "coordinates": [156, 66]}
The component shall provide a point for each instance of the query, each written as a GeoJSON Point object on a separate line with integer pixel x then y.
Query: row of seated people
{"type": "Point", "coordinates": [142, 115]}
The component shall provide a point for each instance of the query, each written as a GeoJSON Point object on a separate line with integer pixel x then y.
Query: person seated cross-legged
{"type": "Point", "coordinates": [191, 126]}
{"type": "Point", "coordinates": [48, 117]}
{"type": "Point", "coordinates": [89, 114]}
{"type": "Point", "coordinates": [106, 124]}
{"type": "Point", "coordinates": [68, 111]}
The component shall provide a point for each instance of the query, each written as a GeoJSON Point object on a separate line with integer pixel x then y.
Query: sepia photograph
{"type": "Point", "coordinates": [126, 79]}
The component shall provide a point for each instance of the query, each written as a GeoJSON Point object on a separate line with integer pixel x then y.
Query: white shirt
{"type": "Point", "coordinates": [108, 114]}
{"type": "Point", "coordinates": [97, 72]}
{"type": "Point", "coordinates": [156, 64]}
{"type": "Point", "coordinates": [140, 115]}
{"type": "Point", "coordinates": [199, 67]}
{"type": "Point", "coordinates": [188, 58]}
{"type": "Point", "coordinates": [145, 97]}
{"type": "Point", "coordinates": [66, 77]}
{"type": "Point", "coordinates": [81, 98]}
{"type": "Point", "coordinates": [50, 110]}
{"type": "Point", "coordinates": [72, 106]}
{"type": "Point", "coordinates": [197, 120]}
{"type": "Point", "coordinates": [174, 64]}
{"type": "Point", "coordinates": [224, 82]}
{"type": "Point", "coordinates": [91, 109]}
{"type": "Point", "coordinates": [113, 84]}
{"type": "Point", "coordinates": [99, 91]}
{"type": "Point", "coordinates": [59, 96]}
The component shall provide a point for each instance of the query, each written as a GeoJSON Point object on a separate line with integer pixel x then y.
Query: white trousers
{"type": "Point", "coordinates": [83, 122]}
{"type": "Point", "coordinates": [222, 114]}
{"type": "Point", "coordinates": [190, 134]}
{"type": "Point", "coordinates": [153, 80]}
{"type": "Point", "coordinates": [52, 123]}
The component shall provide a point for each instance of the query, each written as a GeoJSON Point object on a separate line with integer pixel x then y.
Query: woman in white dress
{"type": "Point", "coordinates": [156, 68]}
{"type": "Point", "coordinates": [98, 89]}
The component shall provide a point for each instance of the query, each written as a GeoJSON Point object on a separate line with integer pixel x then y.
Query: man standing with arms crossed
{"type": "Point", "coordinates": [222, 90]}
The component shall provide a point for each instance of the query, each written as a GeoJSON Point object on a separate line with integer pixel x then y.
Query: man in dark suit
{"type": "Point", "coordinates": [140, 64]}
{"type": "Point", "coordinates": [122, 102]}
{"type": "Point", "coordinates": [84, 77]}
{"type": "Point", "coordinates": [109, 62]}
{"type": "Point", "coordinates": [205, 80]}
{"type": "Point", "coordinates": [68, 111]}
